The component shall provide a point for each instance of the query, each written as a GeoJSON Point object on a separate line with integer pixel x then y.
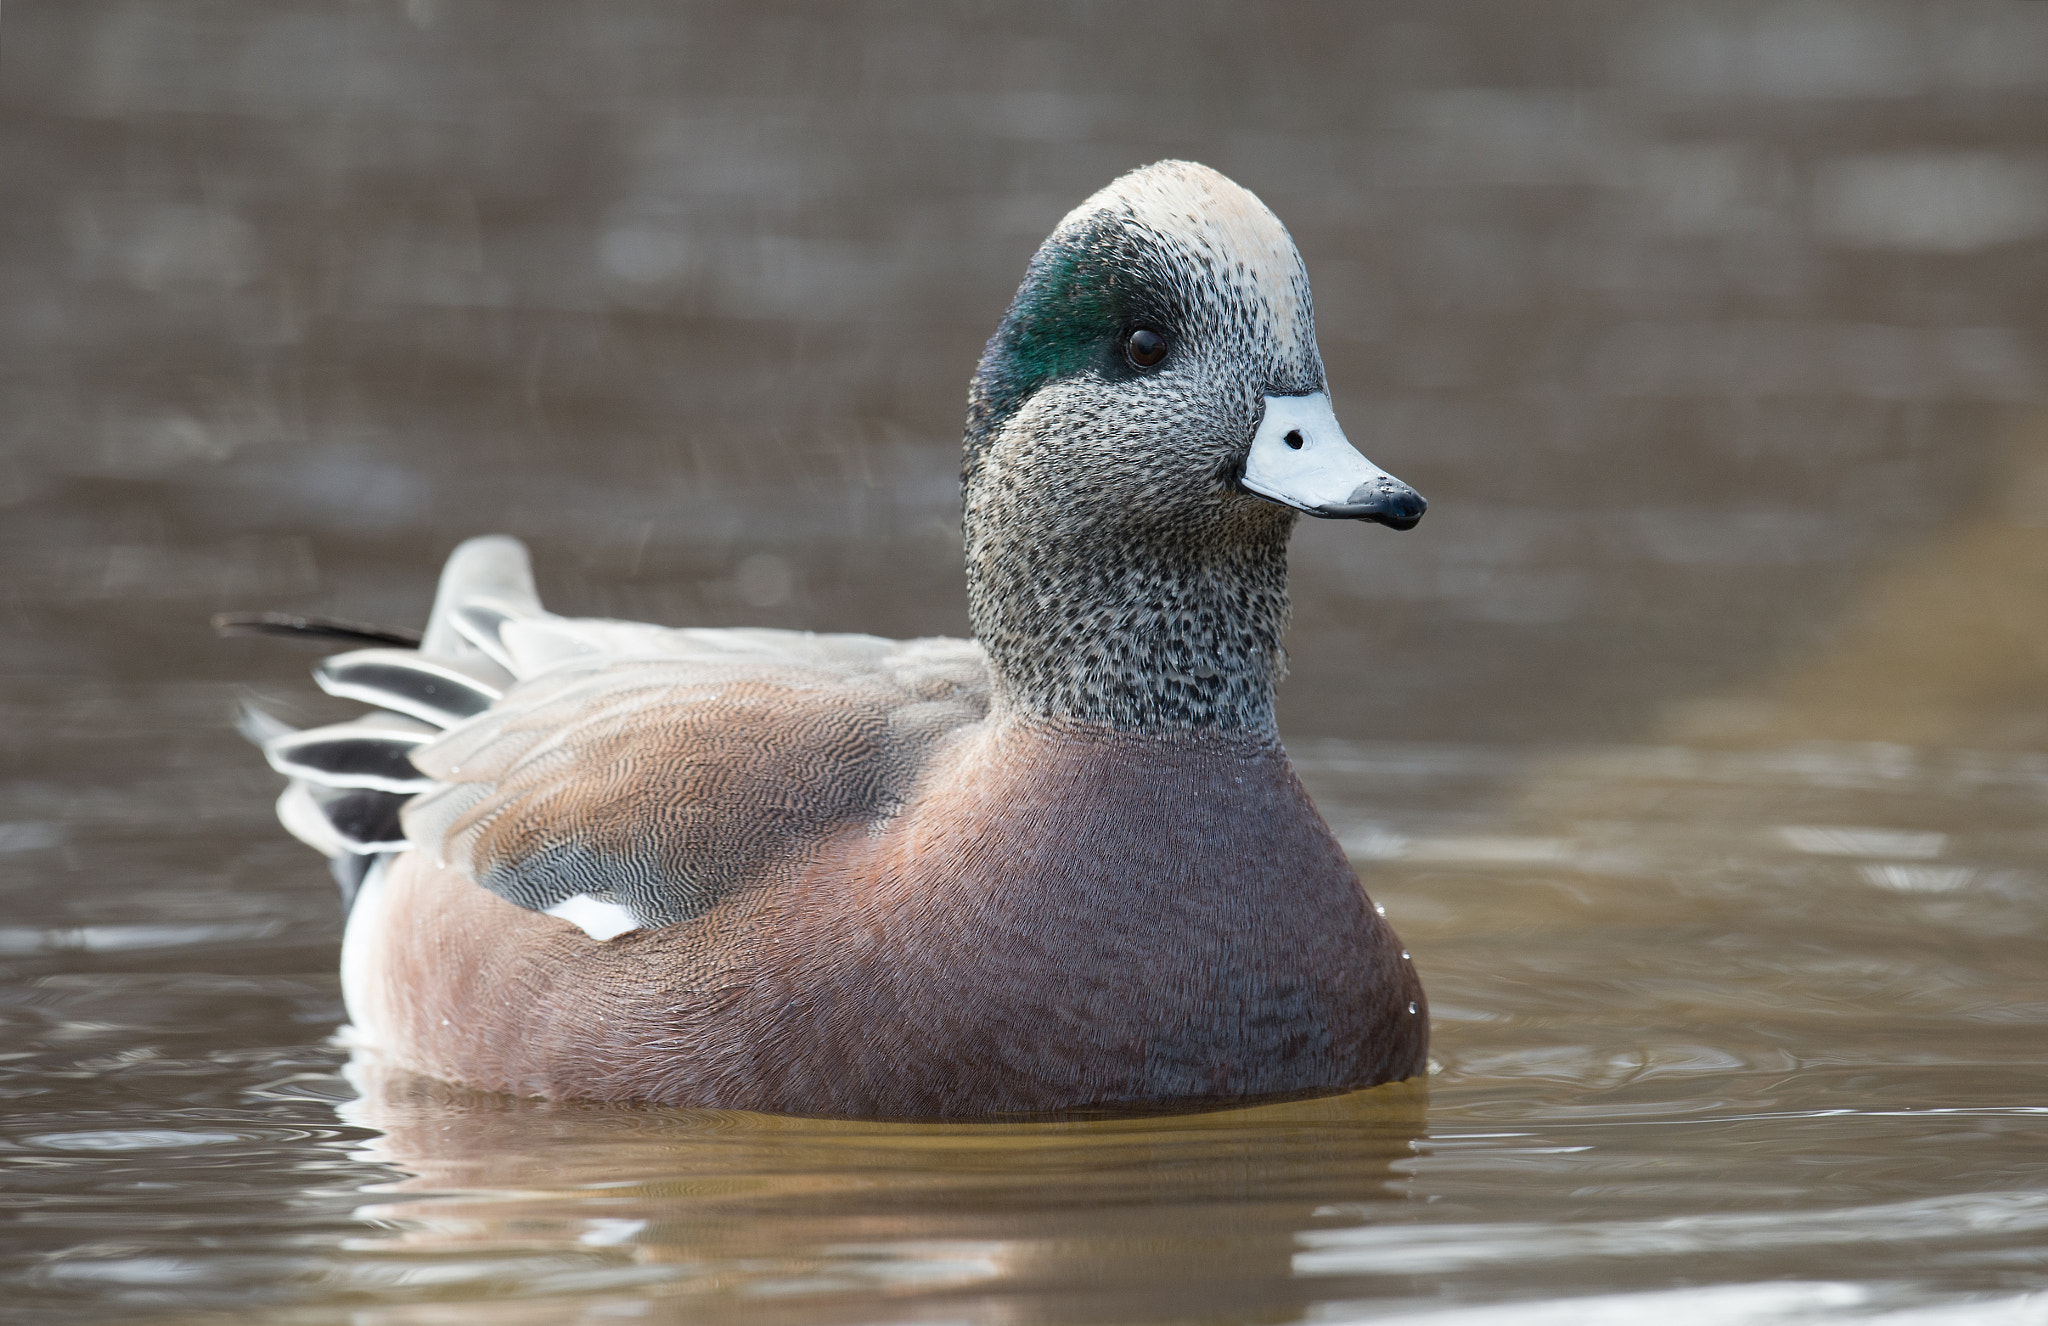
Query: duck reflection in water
{"type": "Point", "coordinates": [725, 1215]}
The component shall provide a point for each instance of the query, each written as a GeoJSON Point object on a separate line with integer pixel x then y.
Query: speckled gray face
{"type": "Point", "coordinates": [1120, 566]}
{"type": "Point", "coordinates": [1178, 251]}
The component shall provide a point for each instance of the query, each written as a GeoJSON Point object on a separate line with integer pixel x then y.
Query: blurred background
{"type": "Point", "coordinates": [1711, 331]}
{"type": "Point", "coordinates": [1697, 741]}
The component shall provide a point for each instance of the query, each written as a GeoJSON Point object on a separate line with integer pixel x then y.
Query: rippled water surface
{"type": "Point", "coordinates": [1702, 1019]}
{"type": "Point", "coordinates": [1696, 743]}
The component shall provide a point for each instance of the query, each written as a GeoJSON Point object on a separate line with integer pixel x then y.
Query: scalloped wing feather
{"type": "Point", "coordinates": [658, 771]}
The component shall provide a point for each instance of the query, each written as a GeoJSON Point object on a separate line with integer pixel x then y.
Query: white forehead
{"type": "Point", "coordinates": [1215, 217]}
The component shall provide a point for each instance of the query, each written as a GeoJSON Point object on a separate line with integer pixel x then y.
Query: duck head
{"type": "Point", "coordinates": [1143, 429]}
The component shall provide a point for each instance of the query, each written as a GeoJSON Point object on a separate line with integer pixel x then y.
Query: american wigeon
{"type": "Point", "coordinates": [1065, 864]}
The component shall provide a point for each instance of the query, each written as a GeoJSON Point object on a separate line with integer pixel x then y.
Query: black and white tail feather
{"type": "Point", "coordinates": [495, 718]}
{"type": "Point", "coordinates": [350, 781]}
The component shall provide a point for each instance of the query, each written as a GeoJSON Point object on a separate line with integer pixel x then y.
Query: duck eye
{"type": "Point", "coordinates": [1145, 347]}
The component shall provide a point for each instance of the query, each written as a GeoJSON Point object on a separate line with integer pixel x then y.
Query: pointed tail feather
{"type": "Point", "coordinates": [328, 807]}
{"type": "Point", "coordinates": [350, 781]}
{"type": "Point", "coordinates": [435, 690]}
{"type": "Point", "coordinates": [321, 630]}
{"type": "Point", "coordinates": [493, 567]}
{"type": "Point", "coordinates": [258, 726]}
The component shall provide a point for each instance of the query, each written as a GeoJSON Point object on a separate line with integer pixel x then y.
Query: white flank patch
{"type": "Point", "coordinates": [362, 980]}
{"type": "Point", "coordinates": [599, 920]}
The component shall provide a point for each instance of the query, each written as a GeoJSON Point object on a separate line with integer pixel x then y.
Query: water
{"type": "Point", "coordinates": [1698, 1022]}
{"type": "Point", "coordinates": [1696, 743]}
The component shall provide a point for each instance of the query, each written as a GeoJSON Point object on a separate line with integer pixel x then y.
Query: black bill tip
{"type": "Point", "coordinates": [1386, 502]}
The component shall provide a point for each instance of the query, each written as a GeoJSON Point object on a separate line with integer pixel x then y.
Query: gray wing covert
{"type": "Point", "coordinates": [705, 762]}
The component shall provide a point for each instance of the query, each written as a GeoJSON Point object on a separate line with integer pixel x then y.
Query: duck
{"type": "Point", "coordinates": [1065, 865]}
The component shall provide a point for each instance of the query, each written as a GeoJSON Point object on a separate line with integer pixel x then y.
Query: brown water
{"type": "Point", "coordinates": [1697, 742]}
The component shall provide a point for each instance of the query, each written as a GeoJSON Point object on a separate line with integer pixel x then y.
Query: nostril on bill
{"type": "Point", "coordinates": [1293, 440]}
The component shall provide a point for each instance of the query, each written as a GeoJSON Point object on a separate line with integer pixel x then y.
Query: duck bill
{"type": "Point", "coordinates": [1300, 458]}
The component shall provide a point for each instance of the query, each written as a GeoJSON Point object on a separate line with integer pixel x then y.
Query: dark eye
{"type": "Point", "coordinates": [1145, 347]}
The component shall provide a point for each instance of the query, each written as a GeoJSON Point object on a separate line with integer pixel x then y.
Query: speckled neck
{"type": "Point", "coordinates": [1117, 572]}
{"type": "Point", "coordinates": [1140, 629]}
